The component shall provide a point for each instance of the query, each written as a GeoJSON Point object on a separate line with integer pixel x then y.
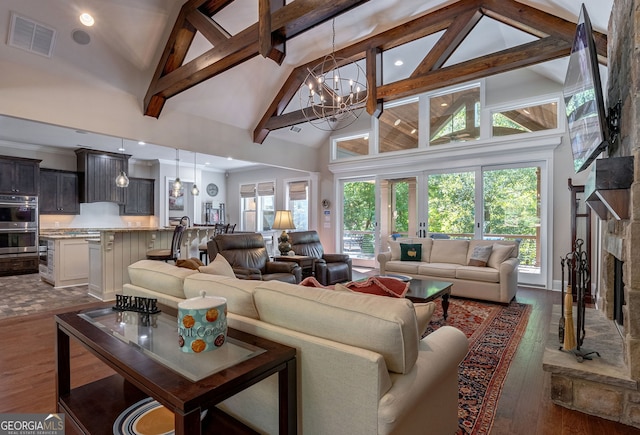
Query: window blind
{"type": "Point", "coordinates": [266, 189]}
{"type": "Point", "coordinates": [247, 190]}
{"type": "Point", "coordinates": [298, 190]}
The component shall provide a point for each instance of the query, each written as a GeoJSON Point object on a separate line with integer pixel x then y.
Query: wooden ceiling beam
{"type": "Point", "coordinates": [208, 7]}
{"type": "Point", "coordinates": [522, 56]}
{"type": "Point", "coordinates": [272, 44]}
{"type": "Point", "coordinates": [459, 19]}
{"type": "Point", "coordinates": [449, 42]}
{"type": "Point", "coordinates": [415, 29]}
{"type": "Point", "coordinates": [212, 31]}
{"type": "Point", "coordinates": [289, 21]}
{"type": "Point", "coordinates": [374, 77]}
{"type": "Point", "coordinates": [538, 23]}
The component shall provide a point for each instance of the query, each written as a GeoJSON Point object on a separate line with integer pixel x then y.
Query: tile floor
{"type": "Point", "coordinates": [27, 294]}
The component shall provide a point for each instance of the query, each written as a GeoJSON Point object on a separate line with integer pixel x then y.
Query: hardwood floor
{"type": "Point", "coordinates": [525, 406]}
{"type": "Point", "coordinates": [27, 371]}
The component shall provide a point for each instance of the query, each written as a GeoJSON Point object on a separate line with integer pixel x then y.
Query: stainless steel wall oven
{"type": "Point", "coordinates": [18, 224]}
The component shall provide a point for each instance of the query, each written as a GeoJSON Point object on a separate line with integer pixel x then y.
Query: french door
{"type": "Point", "coordinates": [359, 221]}
{"type": "Point", "coordinates": [506, 202]}
{"type": "Point", "coordinates": [493, 203]}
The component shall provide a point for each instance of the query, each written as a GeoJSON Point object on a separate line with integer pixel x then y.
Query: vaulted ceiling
{"type": "Point", "coordinates": [279, 22]}
{"type": "Point", "coordinates": [223, 60]}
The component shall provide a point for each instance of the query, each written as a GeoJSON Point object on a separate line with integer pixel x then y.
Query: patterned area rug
{"type": "Point", "coordinates": [494, 332]}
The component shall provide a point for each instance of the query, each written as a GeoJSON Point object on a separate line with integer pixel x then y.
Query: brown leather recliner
{"type": "Point", "coordinates": [328, 269]}
{"type": "Point", "coordinates": [248, 256]}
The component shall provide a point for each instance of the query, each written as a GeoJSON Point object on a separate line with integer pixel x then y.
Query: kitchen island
{"type": "Point", "coordinates": [100, 256]}
{"type": "Point", "coordinates": [64, 261]}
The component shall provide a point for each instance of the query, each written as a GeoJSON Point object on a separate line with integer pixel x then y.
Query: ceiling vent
{"type": "Point", "coordinates": [28, 35]}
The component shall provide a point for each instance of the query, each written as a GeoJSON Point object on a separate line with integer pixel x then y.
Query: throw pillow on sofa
{"type": "Point", "coordinates": [480, 255]}
{"type": "Point", "coordinates": [410, 252]}
{"type": "Point", "coordinates": [219, 266]}
{"type": "Point", "coordinates": [499, 254]}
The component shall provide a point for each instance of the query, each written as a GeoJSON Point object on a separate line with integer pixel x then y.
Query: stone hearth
{"type": "Point", "coordinates": [600, 386]}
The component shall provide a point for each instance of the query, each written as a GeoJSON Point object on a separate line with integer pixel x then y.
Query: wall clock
{"type": "Point", "coordinates": [212, 189]}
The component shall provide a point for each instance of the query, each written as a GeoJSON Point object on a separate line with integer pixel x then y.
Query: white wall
{"type": "Point", "coordinates": [41, 93]}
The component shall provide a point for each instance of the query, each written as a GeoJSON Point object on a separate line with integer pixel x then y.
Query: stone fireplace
{"type": "Point", "coordinates": [608, 386]}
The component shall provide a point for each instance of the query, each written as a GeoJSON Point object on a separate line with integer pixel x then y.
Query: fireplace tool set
{"type": "Point", "coordinates": [572, 335]}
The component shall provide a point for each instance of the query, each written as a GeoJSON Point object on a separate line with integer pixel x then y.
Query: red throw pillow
{"type": "Point", "coordinates": [382, 286]}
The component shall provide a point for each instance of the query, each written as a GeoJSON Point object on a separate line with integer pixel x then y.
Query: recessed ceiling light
{"type": "Point", "coordinates": [527, 112]}
{"type": "Point", "coordinates": [444, 105]}
{"type": "Point", "coordinates": [121, 149]}
{"type": "Point", "coordinates": [229, 158]}
{"type": "Point", "coordinates": [207, 163]}
{"type": "Point", "coordinates": [87, 19]}
{"type": "Point", "coordinates": [366, 137]}
{"type": "Point", "coordinates": [141, 142]}
{"type": "Point", "coordinates": [397, 123]}
{"type": "Point", "coordinates": [398, 62]}
{"type": "Point", "coordinates": [413, 131]}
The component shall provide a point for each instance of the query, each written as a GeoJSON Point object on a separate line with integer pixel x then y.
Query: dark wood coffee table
{"type": "Point", "coordinates": [148, 365]}
{"type": "Point", "coordinates": [425, 290]}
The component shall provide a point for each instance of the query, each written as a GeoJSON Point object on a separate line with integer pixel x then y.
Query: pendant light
{"type": "Point", "coordinates": [194, 189]}
{"type": "Point", "coordinates": [122, 180]}
{"type": "Point", "coordinates": [177, 184]}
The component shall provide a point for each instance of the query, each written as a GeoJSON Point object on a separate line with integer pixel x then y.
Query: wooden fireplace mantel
{"type": "Point", "coordinates": [607, 187]}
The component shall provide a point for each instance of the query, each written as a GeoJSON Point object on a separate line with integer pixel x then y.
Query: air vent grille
{"type": "Point", "coordinates": [31, 36]}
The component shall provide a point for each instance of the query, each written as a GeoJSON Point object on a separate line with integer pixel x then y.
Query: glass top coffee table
{"type": "Point", "coordinates": [425, 290]}
{"type": "Point", "coordinates": [144, 353]}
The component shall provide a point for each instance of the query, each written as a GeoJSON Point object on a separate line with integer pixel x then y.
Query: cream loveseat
{"type": "Point", "coordinates": [449, 260]}
{"type": "Point", "coordinates": [362, 368]}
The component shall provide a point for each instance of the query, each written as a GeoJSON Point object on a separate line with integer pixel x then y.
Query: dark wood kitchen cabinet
{"type": "Point", "coordinates": [97, 172]}
{"type": "Point", "coordinates": [59, 192]}
{"type": "Point", "coordinates": [139, 196]}
{"type": "Point", "coordinates": [19, 176]}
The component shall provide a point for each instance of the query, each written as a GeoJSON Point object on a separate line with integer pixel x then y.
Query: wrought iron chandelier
{"type": "Point", "coordinates": [334, 93]}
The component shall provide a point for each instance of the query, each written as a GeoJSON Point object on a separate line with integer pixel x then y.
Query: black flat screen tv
{"type": "Point", "coordinates": [583, 99]}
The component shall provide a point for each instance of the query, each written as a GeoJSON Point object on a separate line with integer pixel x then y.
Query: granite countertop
{"type": "Point", "coordinates": [74, 233]}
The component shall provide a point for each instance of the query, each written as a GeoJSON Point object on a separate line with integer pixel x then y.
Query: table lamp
{"type": "Point", "coordinates": [283, 221]}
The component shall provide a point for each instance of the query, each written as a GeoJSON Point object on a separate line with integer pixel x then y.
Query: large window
{"type": "Point", "coordinates": [452, 204]}
{"type": "Point", "coordinates": [492, 203]}
{"type": "Point", "coordinates": [527, 119]}
{"type": "Point", "coordinates": [298, 193]}
{"type": "Point", "coordinates": [455, 116]}
{"type": "Point", "coordinates": [398, 127]}
{"type": "Point", "coordinates": [257, 203]}
{"type": "Point", "coordinates": [352, 146]}
{"type": "Point", "coordinates": [359, 220]}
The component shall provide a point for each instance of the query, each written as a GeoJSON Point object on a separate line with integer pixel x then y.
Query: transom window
{"type": "Point", "coordinates": [455, 116]}
{"type": "Point", "coordinates": [528, 119]}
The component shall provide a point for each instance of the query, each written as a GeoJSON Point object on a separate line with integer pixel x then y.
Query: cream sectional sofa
{"type": "Point", "coordinates": [362, 367]}
{"type": "Point", "coordinates": [448, 260]}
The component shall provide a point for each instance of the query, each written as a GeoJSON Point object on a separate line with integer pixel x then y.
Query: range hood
{"type": "Point", "coordinates": [607, 189]}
